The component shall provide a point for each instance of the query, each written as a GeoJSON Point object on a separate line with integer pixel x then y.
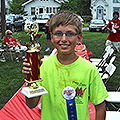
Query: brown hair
{"type": "Point", "coordinates": [116, 13]}
{"type": "Point", "coordinates": [66, 18]}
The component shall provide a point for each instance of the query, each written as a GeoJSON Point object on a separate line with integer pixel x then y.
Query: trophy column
{"type": "Point", "coordinates": [33, 90]}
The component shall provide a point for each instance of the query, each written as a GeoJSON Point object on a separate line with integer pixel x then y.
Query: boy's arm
{"type": "Point", "coordinates": [32, 102]}
{"type": "Point", "coordinates": [100, 111]}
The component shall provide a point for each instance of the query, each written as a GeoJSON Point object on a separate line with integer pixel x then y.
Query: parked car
{"type": "Point", "coordinates": [96, 25]}
{"type": "Point", "coordinates": [42, 20]}
{"type": "Point", "coordinates": [106, 21]}
{"type": "Point", "coordinates": [81, 20]}
{"type": "Point", "coordinates": [15, 22]}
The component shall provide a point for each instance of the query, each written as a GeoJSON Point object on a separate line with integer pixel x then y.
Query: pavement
{"type": "Point", "coordinates": [85, 28]}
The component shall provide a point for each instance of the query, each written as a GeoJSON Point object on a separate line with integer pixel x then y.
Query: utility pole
{"type": "Point", "coordinates": [3, 20]}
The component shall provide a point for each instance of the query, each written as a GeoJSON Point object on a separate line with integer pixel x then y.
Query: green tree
{"type": "Point", "coordinates": [69, 5]}
{"type": "Point", "coordinates": [17, 8]}
{"type": "Point", "coordinates": [84, 7]}
{"type": "Point", "coordinates": [80, 7]}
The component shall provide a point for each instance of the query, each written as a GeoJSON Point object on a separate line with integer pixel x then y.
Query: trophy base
{"type": "Point", "coordinates": [34, 92]}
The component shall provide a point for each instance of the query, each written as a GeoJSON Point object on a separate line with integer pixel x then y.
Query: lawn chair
{"type": "Point", "coordinates": [8, 49]}
{"type": "Point", "coordinates": [2, 58]}
{"type": "Point", "coordinates": [106, 58]}
{"type": "Point", "coordinates": [96, 61]}
{"type": "Point", "coordinates": [112, 59]}
{"type": "Point", "coordinates": [101, 64]}
{"type": "Point", "coordinates": [108, 72]}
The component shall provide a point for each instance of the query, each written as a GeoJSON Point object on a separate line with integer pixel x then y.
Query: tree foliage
{"type": "Point", "coordinates": [80, 7]}
{"type": "Point", "coordinates": [17, 8]}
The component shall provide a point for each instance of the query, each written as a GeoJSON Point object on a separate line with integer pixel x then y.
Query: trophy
{"type": "Point", "coordinates": [33, 57]}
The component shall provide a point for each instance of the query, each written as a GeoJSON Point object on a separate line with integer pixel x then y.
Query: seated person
{"type": "Point", "coordinates": [10, 41]}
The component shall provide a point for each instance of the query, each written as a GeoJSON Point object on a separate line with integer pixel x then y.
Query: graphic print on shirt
{"type": "Point", "coordinates": [80, 90]}
{"type": "Point", "coordinates": [115, 24]}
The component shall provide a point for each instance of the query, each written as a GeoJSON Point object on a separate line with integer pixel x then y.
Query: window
{"type": "Point", "coordinates": [47, 10]}
{"type": "Point", "coordinates": [50, 10]}
{"type": "Point", "coordinates": [40, 10]}
{"type": "Point", "coordinates": [116, 1]}
{"type": "Point", "coordinates": [116, 9]}
{"type": "Point", "coordinates": [100, 11]}
{"type": "Point", "coordinates": [32, 10]}
{"type": "Point", "coordinates": [54, 9]}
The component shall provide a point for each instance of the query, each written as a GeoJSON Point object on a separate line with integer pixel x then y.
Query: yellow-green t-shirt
{"type": "Point", "coordinates": [82, 76]}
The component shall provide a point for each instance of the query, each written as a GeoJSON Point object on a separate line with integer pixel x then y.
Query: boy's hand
{"type": "Point", "coordinates": [26, 69]}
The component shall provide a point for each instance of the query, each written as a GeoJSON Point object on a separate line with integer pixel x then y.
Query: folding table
{"type": "Point", "coordinates": [114, 97]}
{"type": "Point", "coordinates": [112, 115]}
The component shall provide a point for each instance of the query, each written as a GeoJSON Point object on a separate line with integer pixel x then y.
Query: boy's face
{"type": "Point", "coordinates": [65, 44]}
{"type": "Point", "coordinates": [115, 16]}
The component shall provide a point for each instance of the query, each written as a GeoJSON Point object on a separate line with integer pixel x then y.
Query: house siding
{"type": "Point", "coordinates": [37, 4]}
{"type": "Point", "coordinates": [106, 11]}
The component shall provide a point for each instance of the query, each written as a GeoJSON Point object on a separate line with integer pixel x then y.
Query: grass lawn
{"type": "Point", "coordinates": [11, 77]}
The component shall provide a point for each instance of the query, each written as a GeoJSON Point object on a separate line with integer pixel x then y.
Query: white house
{"type": "Point", "coordinates": [35, 7]}
{"type": "Point", "coordinates": [103, 9]}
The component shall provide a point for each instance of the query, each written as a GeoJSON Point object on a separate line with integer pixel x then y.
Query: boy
{"type": "Point", "coordinates": [113, 39]}
{"type": "Point", "coordinates": [68, 77]}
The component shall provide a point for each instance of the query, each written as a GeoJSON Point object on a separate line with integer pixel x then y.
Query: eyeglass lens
{"type": "Point", "coordinates": [68, 34]}
{"type": "Point", "coordinates": [9, 34]}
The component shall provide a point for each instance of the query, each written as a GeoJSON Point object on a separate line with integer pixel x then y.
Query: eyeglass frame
{"type": "Point", "coordinates": [9, 33]}
{"type": "Point", "coordinates": [65, 34]}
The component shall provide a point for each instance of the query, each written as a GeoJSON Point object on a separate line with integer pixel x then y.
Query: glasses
{"type": "Point", "coordinates": [9, 33]}
{"type": "Point", "coordinates": [68, 34]}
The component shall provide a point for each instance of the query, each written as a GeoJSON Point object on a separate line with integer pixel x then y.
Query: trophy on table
{"type": "Point", "coordinates": [33, 57]}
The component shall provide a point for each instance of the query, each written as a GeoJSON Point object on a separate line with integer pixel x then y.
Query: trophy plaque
{"type": "Point", "coordinates": [33, 57]}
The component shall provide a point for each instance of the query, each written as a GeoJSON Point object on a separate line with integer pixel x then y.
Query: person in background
{"type": "Point", "coordinates": [70, 80]}
{"type": "Point", "coordinates": [11, 42]}
{"type": "Point", "coordinates": [48, 33]}
{"type": "Point", "coordinates": [113, 27]}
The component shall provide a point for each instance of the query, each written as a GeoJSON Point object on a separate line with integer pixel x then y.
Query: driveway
{"type": "Point", "coordinates": [85, 28]}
